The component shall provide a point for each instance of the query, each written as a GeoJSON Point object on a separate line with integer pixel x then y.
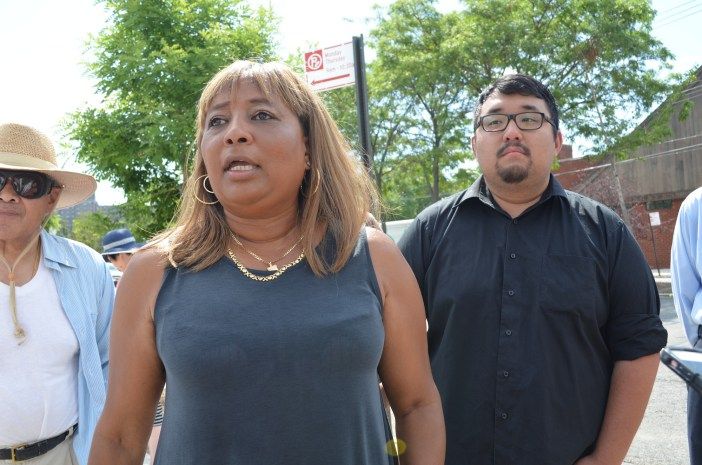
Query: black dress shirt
{"type": "Point", "coordinates": [526, 319]}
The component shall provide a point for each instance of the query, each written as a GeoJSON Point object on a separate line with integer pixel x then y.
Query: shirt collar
{"type": "Point", "coordinates": [54, 254]}
{"type": "Point", "coordinates": [478, 190]}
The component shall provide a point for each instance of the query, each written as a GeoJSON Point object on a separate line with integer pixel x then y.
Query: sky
{"type": "Point", "coordinates": [43, 52]}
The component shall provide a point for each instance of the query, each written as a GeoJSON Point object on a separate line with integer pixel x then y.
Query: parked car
{"type": "Point", "coordinates": [395, 229]}
{"type": "Point", "coordinates": [114, 272]}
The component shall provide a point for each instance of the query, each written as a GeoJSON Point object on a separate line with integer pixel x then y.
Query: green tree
{"type": "Point", "coordinates": [413, 72]}
{"type": "Point", "coordinates": [54, 224]}
{"type": "Point", "coordinates": [388, 112]}
{"type": "Point", "coordinates": [416, 126]}
{"type": "Point", "coordinates": [90, 227]}
{"type": "Point", "coordinates": [656, 127]}
{"type": "Point", "coordinates": [151, 62]}
{"type": "Point", "coordinates": [598, 57]}
{"type": "Point", "coordinates": [341, 104]}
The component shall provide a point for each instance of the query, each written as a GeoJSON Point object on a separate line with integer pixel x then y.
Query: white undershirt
{"type": "Point", "coordinates": [38, 379]}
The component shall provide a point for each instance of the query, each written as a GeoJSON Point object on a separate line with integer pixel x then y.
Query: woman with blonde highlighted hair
{"type": "Point", "coordinates": [269, 308]}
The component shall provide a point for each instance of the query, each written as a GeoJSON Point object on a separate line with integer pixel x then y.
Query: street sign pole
{"type": "Point", "coordinates": [330, 68]}
{"type": "Point", "coordinates": [654, 220]}
{"type": "Point", "coordinates": [362, 101]}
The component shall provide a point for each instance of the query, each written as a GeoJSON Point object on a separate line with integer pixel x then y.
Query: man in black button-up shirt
{"type": "Point", "coordinates": [543, 313]}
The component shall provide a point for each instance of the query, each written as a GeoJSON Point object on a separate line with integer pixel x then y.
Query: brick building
{"type": "Point", "coordinates": [89, 205]}
{"type": "Point", "coordinates": [654, 180]}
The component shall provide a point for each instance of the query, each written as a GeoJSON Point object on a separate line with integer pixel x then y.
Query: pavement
{"type": "Point", "coordinates": [662, 437]}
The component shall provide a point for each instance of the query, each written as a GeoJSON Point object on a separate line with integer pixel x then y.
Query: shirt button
{"type": "Point", "coordinates": [510, 292]}
{"type": "Point", "coordinates": [508, 332]}
{"type": "Point", "coordinates": [505, 374]}
{"type": "Point", "coordinates": [513, 256]}
{"type": "Point", "coordinates": [504, 416]}
{"type": "Point", "coordinates": [515, 221]}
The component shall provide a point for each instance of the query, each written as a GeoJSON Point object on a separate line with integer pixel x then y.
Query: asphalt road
{"type": "Point", "coordinates": [662, 437]}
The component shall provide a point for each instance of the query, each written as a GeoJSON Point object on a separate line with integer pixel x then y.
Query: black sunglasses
{"type": "Point", "coordinates": [28, 184]}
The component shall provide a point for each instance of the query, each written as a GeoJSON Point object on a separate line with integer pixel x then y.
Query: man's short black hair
{"type": "Point", "coordinates": [113, 256]}
{"type": "Point", "coordinates": [523, 85]}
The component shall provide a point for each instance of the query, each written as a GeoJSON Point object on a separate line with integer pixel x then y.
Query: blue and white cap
{"type": "Point", "coordinates": [119, 241]}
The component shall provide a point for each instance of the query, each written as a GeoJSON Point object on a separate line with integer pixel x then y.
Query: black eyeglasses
{"type": "Point", "coordinates": [526, 121]}
{"type": "Point", "coordinates": [28, 184]}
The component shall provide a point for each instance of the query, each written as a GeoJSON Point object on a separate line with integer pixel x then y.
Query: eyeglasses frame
{"type": "Point", "coordinates": [513, 117]}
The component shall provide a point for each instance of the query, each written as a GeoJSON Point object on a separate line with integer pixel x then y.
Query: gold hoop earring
{"type": "Point", "coordinates": [316, 184]}
{"type": "Point", "coordinates": [319, 181]}
{"type": "Point", "coordinates": [204, 186]}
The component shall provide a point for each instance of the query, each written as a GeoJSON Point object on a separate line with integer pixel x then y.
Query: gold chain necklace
{"type": "Point", "coordinates": [271, 263]}
{"type": "Point", "coordinates": [270, 277]}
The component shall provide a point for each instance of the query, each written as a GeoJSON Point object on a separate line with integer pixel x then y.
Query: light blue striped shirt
{"type": "Point", "coordinates": [86, 292]}
{"type": "Point", "coordinates": [686, 264]}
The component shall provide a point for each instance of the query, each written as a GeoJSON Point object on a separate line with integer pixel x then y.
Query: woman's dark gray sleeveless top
{"type": "Point", "coordinates": [280, 372]}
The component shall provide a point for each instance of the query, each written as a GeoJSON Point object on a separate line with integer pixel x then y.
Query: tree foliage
{"type": "Point", "coordinates": [656, 127]}
{"type": "Point", "coordinates": [413, 73]}
{"type": "Point", "coordinates": [54, 224]}
{"type": "Point", "coordinates": [151, 62]}
{"type": "Point", "coordinates": [599, 58]}
{"type": "Point", "coordinates": [90, 227]}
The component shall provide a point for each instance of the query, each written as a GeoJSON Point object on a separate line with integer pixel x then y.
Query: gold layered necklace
{"type": "Point", "coordinates": [270, 277]}
{"type": "Point", "coordinates": [271, 263]}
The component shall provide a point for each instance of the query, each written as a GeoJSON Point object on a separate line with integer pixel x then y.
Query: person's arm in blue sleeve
{"type": "Point", "coordinates": [105, 303]}
{"type": "Point", "coordinates": [685, 277]}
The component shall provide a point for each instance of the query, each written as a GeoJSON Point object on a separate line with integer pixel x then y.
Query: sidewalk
{"type": "Point", "coordinates": [662, 277]}
{"type": "Point", "coordinates": [662, 437]}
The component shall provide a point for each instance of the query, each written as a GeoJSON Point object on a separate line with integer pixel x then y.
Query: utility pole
{"type": "Point", "coordinates": [613, 164]}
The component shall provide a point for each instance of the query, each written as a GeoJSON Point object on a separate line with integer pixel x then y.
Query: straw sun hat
{"type": "Point", "coordinates": [25, 149]}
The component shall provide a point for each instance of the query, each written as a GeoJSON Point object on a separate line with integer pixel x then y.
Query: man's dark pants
{"type": "Point", "coordinates": [694, 420]}
{"type": "Point", "coordinates": [694, 425]}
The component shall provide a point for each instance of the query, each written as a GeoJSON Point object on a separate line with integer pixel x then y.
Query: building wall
{"type": "Point", "coordinates": [69, 214]}
{"type": "Point", "coordinates": [655, 179]}
{"type": "Point", "coordinates": [655, 241]}
{"type": "Point", "coordinates": [598, 182]}
{"type": "Point", "coordinates": [89, 205]}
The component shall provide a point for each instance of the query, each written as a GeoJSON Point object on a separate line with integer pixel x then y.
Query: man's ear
{"type": "Point", "coordinates": [54, 195]}
{"type": "Point", "coordinates": [559, 144]}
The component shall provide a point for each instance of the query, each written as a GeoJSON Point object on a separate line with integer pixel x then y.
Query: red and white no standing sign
{"type": "Point", "coordinates": [330, 67]}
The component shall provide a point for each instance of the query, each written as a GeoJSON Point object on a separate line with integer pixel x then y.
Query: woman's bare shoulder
{"type": "Point", "coordinates": [141, 281]}
{"type": "Point", "coordinates": [381, 244]}
{"type": "Point", "coordinates": [148, 261]}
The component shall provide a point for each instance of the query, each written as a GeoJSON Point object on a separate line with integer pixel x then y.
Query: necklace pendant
{"type": "Point", "coordinates": [272, 267]}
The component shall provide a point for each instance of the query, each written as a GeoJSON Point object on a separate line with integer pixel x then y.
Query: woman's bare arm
{"type": "Point", "coordinates": [404, 367]}
{"type": "Point", "coordinates": [136, 375]}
